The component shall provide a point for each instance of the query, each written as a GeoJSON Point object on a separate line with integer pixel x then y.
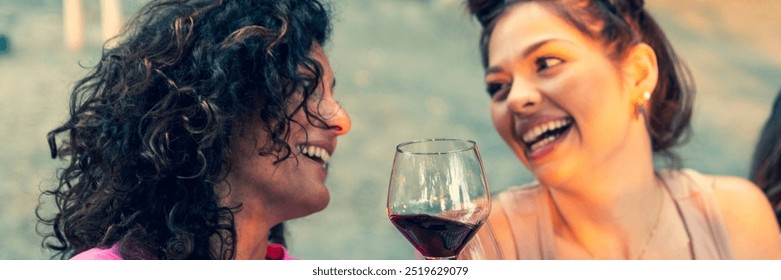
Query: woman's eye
{"type": "Point", "coordinates": [306, 82]}
{"type": "Point", "coordinates": [545, 62]}
{"type": "Point", "coordinates": [495, 89]}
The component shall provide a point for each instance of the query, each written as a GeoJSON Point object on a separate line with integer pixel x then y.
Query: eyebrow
{"type": "Point", "coordinates": [526, 52]}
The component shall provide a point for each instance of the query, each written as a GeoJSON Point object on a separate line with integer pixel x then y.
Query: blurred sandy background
{"type": "Point", "coordinates": [407, 70]}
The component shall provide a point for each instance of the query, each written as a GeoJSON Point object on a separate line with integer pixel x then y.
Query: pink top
{"type": "Point", "coordinates": [273, 252]}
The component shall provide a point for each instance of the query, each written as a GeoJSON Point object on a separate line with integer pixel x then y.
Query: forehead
{"type": "Point", "coordinates": [528, 23]}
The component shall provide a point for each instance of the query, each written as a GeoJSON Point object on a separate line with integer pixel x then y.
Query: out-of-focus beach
{"type": "Point", "coordinates": [406, 70]}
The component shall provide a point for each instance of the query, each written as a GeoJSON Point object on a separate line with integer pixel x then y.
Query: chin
{"type": "Point", "coordinates": [321, 205]}
{"type": "Point", "coordinates": [551, 176]}
{"type": "Point", "coordinates": [317, 203]}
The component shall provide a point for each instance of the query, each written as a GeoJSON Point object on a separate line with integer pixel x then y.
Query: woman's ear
{"type": "Point", "coordinates": [640, 70]}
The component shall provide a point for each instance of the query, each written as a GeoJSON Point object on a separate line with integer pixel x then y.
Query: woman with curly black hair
{"type": "Point", "coordinates": [204, 128]}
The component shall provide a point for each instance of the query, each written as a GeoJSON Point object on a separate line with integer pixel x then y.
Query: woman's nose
{"type": "Point", "coordinates": [523, 99]}
{"type": "Point", "coordinates": [340, 122]}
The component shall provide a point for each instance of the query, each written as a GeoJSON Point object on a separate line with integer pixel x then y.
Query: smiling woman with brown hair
{"type": "Point", "coordinates": [205, 127]}
{"type": "Point", "coordinates": [588, 93]}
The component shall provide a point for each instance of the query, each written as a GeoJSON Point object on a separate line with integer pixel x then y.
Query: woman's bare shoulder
{"type": "Point", "coordinates": [748, 217]}
{"type": "Point", "coordinates": [727, 189]}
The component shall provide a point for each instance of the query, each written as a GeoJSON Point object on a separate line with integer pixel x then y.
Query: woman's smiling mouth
{"type": "Point", "coordinates": [541, 135]}
{"type": "Point", "coordinates": [315, 153]}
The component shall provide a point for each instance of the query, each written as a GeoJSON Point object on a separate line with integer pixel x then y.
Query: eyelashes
{"type": "Point", "coordinates": [493, 88]}
{"type": "Point", "coordinates": [543, 66]}
{"type": "Point", "coordinates": [546, 62]}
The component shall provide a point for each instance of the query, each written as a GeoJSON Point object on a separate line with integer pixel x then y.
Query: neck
{"type": "Point", "coordinates": [611, 216]}
{"type": "Point", "coordinates": [601, 190]}
{"type": "Point", "coordinates": [251, 235]}
{"type": "Point", "coordinates": [252, 222]}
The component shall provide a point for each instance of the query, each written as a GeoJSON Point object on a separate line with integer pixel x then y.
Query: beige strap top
{"type": "Point", "coordinates": [532, 231]}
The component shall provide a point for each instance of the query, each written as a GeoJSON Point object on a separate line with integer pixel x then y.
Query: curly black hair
{"type": "Point", "coordinates": [147, 139]}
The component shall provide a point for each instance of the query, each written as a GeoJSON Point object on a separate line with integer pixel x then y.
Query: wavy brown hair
{"type": "Point", "coordinates": [147, 139]}
{"type": "Point", "coordinates": [620, 24]}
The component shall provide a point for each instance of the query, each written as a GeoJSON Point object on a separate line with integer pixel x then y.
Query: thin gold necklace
{"type": "Point", "coordinates": [650, 234]}
{"type": "Point", "coordinates": [656, 223]}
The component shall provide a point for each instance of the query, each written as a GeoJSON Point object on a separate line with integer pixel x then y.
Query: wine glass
{"type": "Point", "coordinates": [438, 195]}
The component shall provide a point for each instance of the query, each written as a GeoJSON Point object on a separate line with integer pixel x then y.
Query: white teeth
{"type": "Point", "coordinates": [315, 152]}
{"type": "Point", "coordinates": [540, 129]}
{"type": "Point", "coordinates": [543, 142]}
{"type": "Point", "coordinates": [534, 133]}
{"type": "Point", "coordinates": [325, 156]}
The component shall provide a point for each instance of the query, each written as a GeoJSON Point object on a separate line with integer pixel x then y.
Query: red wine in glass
{"type": "Point", "coordinates": [438, 196]}
{"type": "Point", "coordinates": [434, 236]}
